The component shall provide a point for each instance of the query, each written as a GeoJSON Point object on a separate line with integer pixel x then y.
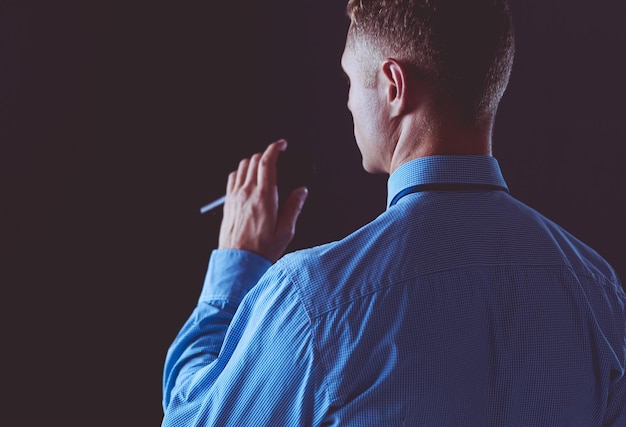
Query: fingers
{"type": "Point", "coordinates": [267, 170]}
{"type": "Point", "coordinates": [231, 183]}
{"type": "Point", "coordinates": [242, 172]}
{"type": "Point", "coordinates": [252, 219]}
{"type": "Point", "coordinates": [251, 178]}
{"type": "Point", "coordinates": [286, 226]}
{"type": "Point", "coordinates": [260, 168]}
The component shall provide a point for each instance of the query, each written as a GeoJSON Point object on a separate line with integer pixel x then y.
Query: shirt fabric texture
{"type": "Point", "coordinates": [451, 308]}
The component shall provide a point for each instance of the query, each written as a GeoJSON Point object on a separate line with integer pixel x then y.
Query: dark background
{"type": "Point", "coordinates": [119, 120]}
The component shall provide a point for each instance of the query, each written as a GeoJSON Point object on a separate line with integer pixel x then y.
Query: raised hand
{"type": "Point", "coordinates": [252, 220]}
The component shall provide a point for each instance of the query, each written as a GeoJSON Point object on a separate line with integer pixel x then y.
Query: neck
{"type": "Point", "coordinates": [421, 137]}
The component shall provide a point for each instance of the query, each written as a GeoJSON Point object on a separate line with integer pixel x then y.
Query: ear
{"type": "Point", "coordinates": [395, 86]}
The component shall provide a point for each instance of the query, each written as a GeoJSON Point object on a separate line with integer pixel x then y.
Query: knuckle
{"type": "Point", "coordinates": [240, 195]}
{"type": "Point", "coordinates": [287, 233]}
{"type": "Point", "coordinates": [264, 161]}
{"type": "Point", "coordinates": [265, 192]}
{"type": "Point", "coordinates": [245, 193]}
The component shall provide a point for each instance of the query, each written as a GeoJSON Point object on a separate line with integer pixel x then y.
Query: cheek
{"type": "Point", "coordinates": [359, 108]}
{"type": "Point", "coordinates": [365, 114]}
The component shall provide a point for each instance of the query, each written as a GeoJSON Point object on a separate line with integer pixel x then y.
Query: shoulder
{"type": "Point", "coordinates": [329, 275]}
{"type": "Point", "coordinates": [576, 254]}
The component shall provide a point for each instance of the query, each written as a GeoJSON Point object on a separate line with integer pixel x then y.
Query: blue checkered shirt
{"type": "Point", "coordinates": [457, 306]}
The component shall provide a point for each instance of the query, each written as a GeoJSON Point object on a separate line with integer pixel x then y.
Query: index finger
{"type": "Point", "coordinates": [267, 172]}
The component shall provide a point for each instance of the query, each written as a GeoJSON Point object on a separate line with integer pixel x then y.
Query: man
{"type": "Point", "coordinates": [458, 305]}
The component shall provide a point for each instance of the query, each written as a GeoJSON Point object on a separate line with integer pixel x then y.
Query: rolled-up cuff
{"type": "Point", "coordinates": [231, 274]}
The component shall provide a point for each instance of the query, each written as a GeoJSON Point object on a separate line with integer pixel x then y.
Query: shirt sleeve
{"type": "Point", "coordinates": [245, 356]}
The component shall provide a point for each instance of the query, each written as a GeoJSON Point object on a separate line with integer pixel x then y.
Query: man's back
{"type": "Point", "coordinates": [457, 306]}
{"type": "Point", "coordinates": [464, 308]}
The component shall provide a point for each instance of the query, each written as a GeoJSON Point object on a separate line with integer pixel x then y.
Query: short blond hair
{"type": "Point", "coordinates": [464, 47]}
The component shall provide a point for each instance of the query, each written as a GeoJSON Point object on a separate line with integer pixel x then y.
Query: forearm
{"type": "Point", "coordinates": [231, 274]}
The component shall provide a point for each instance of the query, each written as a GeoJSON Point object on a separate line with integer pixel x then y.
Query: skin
{"type": "Point", "coordinates": [395, 120]}
{"type": "Point", "coordinates": [252, 220]}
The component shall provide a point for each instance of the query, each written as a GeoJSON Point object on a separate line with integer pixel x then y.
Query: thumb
{"type": "Point", "coordinates": [290, 212]}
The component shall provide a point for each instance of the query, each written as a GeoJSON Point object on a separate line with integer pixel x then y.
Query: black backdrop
{"type": "Point", "coordinates": [120, 119]}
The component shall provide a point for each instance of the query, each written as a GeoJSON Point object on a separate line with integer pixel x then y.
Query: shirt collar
{"type": "Point", "coordinates": [465, 169]}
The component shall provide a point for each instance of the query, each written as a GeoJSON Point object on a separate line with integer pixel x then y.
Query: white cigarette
{"type": "Point", "coordinates": [214, 204]}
